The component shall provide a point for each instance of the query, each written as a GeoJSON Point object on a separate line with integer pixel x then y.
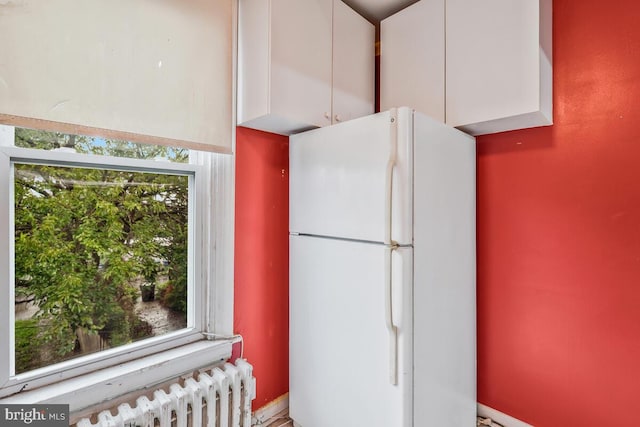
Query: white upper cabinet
{"type": "Point", "coordinates": [284, 64]}
{"type": "Point", "coordinates": [498, 62]}
{"type": "Point", "coordinates": [412, 59]}
{"type": "Point", "coordinates": [353, 64]}
{"type": "Point", "coordinates": [495, 56]}
{"type": "Point", "coordinates": [298, 68]}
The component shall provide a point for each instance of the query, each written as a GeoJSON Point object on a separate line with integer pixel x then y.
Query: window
{"type": "Point", "coordinates": [144, 79]}
{"type": "Point", "coordinates": [107, 245]}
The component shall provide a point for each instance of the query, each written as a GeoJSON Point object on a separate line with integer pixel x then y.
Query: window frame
{"type": "Point", "coordinates": [202, 319]}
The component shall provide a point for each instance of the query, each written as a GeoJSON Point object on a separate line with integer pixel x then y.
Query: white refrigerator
{"type": "Point", "coordinates": [382, 274]}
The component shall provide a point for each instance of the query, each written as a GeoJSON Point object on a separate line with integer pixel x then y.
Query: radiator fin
{"type": "Point", "coordinates": [224, 395]}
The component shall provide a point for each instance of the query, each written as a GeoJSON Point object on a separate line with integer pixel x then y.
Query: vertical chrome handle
{"type": "Point", "coordinates": [338, 118]}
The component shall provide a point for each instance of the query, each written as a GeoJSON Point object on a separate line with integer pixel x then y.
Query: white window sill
{"type": "Point", "coordinates": [106, 384]}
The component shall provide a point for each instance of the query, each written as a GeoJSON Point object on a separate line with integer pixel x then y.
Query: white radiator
{"type": "Point", "coordinates": [220, 398]}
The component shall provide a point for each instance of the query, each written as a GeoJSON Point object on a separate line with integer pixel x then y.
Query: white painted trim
{"type": "Point", "coordinates": [51, 157]}
{"type": "Point", "coordinates": [270, 410]}
{"type": "Point", "coordinates": [497, 416]}
{"type": "Point", "coordinates": [6, 274]}
{"type": "Point", "coordinates": [223, 212]}
{"type": "Point", "coordinates": [218, 240]}
{"type": "Point", "coordinates": [7, 135]}
{"type": "Point", "coordinates": [103, 385]}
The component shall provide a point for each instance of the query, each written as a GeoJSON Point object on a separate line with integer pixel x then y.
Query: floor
{"type": "Point", "coordinates": [280, 420]}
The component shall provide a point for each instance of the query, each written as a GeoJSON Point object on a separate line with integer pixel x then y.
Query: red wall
{"type": "Point", "coordinates": [262, 258]}
{"type": "Point", "coordinates": [559, 235]}
{"type": "Point", "coordinates": [558, 239]}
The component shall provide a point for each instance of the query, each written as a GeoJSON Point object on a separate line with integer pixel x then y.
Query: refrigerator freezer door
{"type": "Point", "coordinates": [339, 343]}
{"type": "Point", "coordinates": [338, 178]}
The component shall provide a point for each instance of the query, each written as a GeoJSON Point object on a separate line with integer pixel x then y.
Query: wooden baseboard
{"type": "Point", "coordinates": [270, 410]}
{"type": "Point", "coordinates": [497, 416]}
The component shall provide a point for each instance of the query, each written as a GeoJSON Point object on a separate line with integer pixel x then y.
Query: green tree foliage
{"type": "Point", "coordinates": [26, 344]}
{"type": "Point", "coordinates": [83, 237]}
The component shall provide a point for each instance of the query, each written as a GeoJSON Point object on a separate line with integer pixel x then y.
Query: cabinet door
{"type": "Point", "coordinates": [412, 56]}
{"type": "Point", "coordinates": [353, 64]}
{"type": "Point", "coordinates": [300, 60]}
{"type": "Point", "coordinates": [498, 64]}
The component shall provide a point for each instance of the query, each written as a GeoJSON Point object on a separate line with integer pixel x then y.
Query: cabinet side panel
{"type": "Point", "coordinates": [301, 60]}
{"type": "Point", "coordinates": [353, 64]}
{"type": "Point", "coordinates": [444, 275]}
{"type": "Point", "coordinates": [412, 59]}
{"type": "Point", "coordinates": [253, 59]}
{"type": "Point", "coordinates": [546, 59]}
{"type": "Point", "coordinates": [492, 60]}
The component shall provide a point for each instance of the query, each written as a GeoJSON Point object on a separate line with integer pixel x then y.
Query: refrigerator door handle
{"type": "Point", "coordinates": [391, 164]}
{"type": "Point", "coordinates": [391, 327]}
{"type": "Point", "coordinates": [391, 246]}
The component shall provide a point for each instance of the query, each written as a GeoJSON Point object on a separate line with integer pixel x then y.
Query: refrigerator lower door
{"type": "Point", "coordinates": [339, 341]}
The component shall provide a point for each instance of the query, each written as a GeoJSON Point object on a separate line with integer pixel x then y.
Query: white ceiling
{"type": "Point", "coordinates": [376, 10]}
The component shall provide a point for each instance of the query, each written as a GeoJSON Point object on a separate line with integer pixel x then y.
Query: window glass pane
{"type": "Point", "coordinates": [100, 259]}
{"type": "Point", "coordinates": [45, 140]}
